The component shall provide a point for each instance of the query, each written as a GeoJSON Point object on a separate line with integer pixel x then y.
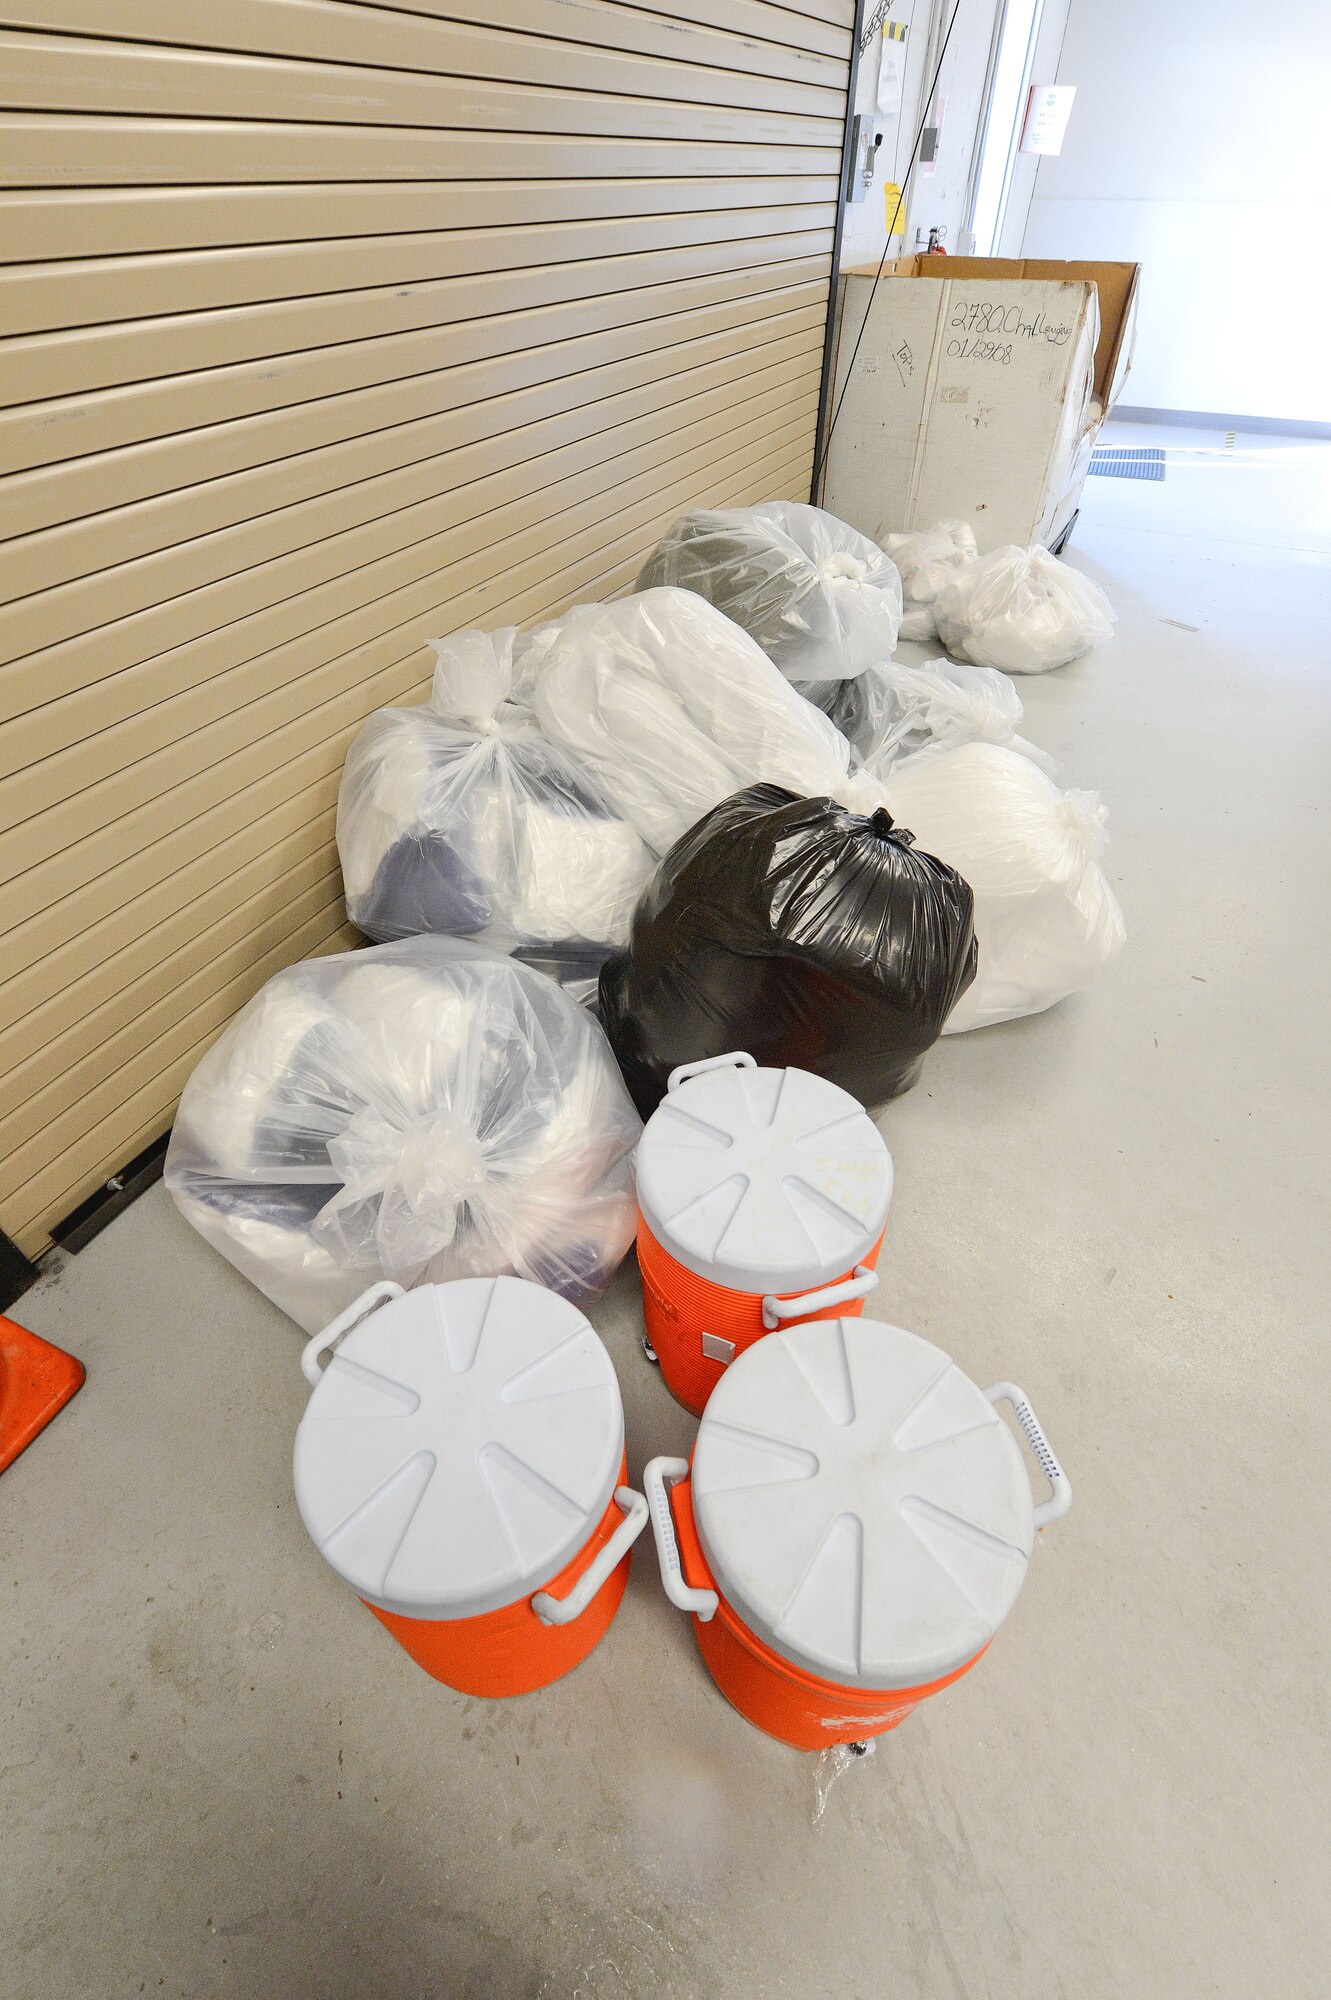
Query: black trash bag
{"type": "Point", "coordinates": [798, 931]}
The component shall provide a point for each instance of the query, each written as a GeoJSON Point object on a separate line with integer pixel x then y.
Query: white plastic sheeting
{"type": "Point", "coordinates": [927, 558]}
{"type": "Point", "coordinates": [1046, 920]}
{"type": "Point", "coordinates": [672, 708]}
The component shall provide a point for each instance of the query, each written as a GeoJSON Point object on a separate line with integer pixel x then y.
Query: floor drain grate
{"type": "Point", "coordinates": [1121, 462]}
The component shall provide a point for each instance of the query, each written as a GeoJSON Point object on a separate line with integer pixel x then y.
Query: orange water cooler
{"type": "Point", "coordinates": [854, 1527]}
{"type": "Point", "coordinates": [460, 1465]}
{"type": "Point", "coordinates": [763, 1195]}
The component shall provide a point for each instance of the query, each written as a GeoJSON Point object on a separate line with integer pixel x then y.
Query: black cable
{"type": "Point", "coordinates": [873, 289]}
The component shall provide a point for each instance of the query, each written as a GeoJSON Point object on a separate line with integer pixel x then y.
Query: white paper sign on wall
{"type": "Point", "coordinates": [892, 69]}
{"type": "Point", "coordinates": [1048, 109]}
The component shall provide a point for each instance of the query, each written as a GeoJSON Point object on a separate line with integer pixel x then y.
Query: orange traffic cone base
{"type": "Point", "coordinates": [36, 1381]}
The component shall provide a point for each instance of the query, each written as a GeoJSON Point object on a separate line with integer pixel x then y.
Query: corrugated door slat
{"type": "Point", "coordinates": [99, 222]}
{"type": "Point", "coordinates": [212, 79]}
{"type": "Point", "coordinates": [31, 434]}
{"type": "Point", "coordinates": [450, 42]}
{"type": "Point", "coordinates": [36, 902]}
{"type": "Point", "coordinates": [83, 292]}
{"type": "Point", "coordinates": [324, 326]}
{"type": "Point", "coordinates": [340, 441]}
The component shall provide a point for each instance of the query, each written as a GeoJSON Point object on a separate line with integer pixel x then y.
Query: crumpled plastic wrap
{"type": "Point", "coordinates": [1021, 610]}
{"type": "Point", "coordinates": [808, 935]}
{"type": "Point", "coordinates": [900, 710]}
{"type": "Point", "coordinates": [830, 1766]}
{"type": "Point", "coordinates": [862, 709]}
{"type": "Point", "coordinates": [672, 708]}
{"type": "Point", "coordinates": [421, 1111]}
{"type": "Point", "coordinates": [927, 558]}
{"type": "Point", "coordinates": [1046, 920]}
{"type": "Point", "coordinates": [459, 817]}
{"type": "Point", "coordinates": [820, 598]}
{"type": "Point", "coordinates": [942, 704]}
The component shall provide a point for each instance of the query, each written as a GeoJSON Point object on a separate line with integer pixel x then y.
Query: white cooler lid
{"type": "Point", "coordinates": [459, 1447]}
{"type": "Point", "coordinates": [764, 1180]}
{"type": "Point", "coordinates": [861, 1504]}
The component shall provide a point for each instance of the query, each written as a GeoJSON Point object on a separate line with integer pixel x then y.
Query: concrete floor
{"type": "Point", "coordinates": [220, 1777]}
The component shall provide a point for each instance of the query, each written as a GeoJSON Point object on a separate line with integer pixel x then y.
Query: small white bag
{"type": "Point", "coordinates": [927, 558]}
{"type": "Point", "coordinates": [1021, 610]}
{"type": "Point", "coordinates": [460, 817]}
{"type": "Point", "coordinates": [1046, 919]}
{"type": "Point", "coordinates": [672, 708]}
{"type": "Point", "coordinates": [820, 598]}
{"type": "Point", "coordinates": [423, 1110]}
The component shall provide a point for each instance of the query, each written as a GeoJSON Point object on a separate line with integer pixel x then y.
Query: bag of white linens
{"type": "Point", "coordinates": [819, 597]}
{"type": "Point", "coordinates": [1046, 920]}
{"type": "Point", "coordinates": [459, 816]}
{"type": "Point", "coordinates": [419, 1111]}
{"type": "Point", "coordinates": [1021, 610]}
{"type": "Point", "coordinates": [927, 558]}
{"type": "Point", "coordinates": [672, 708]}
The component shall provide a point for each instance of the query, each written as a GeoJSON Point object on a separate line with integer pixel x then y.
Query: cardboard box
{"type": "Point", "coordinates": [977, 392]}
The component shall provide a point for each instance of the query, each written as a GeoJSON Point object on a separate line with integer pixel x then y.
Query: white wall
{"type": "Point", "coordinates": [938, 198]}
{"type": "Point", "coordinates": [1200, 145]}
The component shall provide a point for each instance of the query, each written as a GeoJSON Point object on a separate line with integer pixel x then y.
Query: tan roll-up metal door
{"type": "Point", "coordinates": [323, 327]}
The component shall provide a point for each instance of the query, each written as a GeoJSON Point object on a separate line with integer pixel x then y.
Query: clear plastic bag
{"type": "Point", "coordinates": [421, 1111]}
{"type": "Point", "coordinates": [819, 597]}
{"type": "Point", "coordinates": [927, 558]}
{"type": "Point", "coordinates": [1021, 610]}
{"type": "Point", "coordinates": [862, 708]}
{"type": "Point", "coordinates": [942, 704]}
{"type": "Point", "coordinates": [672, 708]}
{"type": "Point", "coordinates": [899, 710]}
{"type": "Point", "coordinates": [1046, 920]}
{"type": "Point", "coordinates": [460, 817]}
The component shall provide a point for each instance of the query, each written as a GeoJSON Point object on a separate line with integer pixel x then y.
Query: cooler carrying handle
{"type": "Point", "coordinates": [656, 1473]}
{"type": "Point", "coordinates": [322, 1343]}
{"type": "Point", "coordinates": [857, 1286]}
{"type": "Point", "coordinates": [737, 1060]}
{"type": "Point", "coordinates": [563, 1610]}
{"type": "Point", "coordinates": [1060, 1499]}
